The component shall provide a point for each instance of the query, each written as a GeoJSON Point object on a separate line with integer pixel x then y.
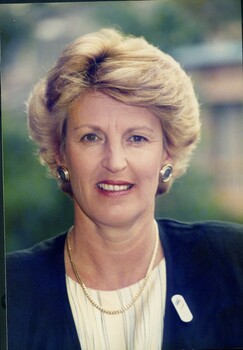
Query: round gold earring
{"type": "Point", "coordinates": [63, 174]}
{"type": "Point", "coordinates": [166, 172]}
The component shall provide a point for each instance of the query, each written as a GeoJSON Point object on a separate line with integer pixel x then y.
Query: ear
{"type": "Point", "coordinates": [60, 159]}
{"type": "Point", "coordinates": [166, 159]}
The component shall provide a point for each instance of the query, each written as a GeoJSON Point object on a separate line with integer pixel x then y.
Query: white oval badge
{"type": "Point", "coordinates": [182, 308]}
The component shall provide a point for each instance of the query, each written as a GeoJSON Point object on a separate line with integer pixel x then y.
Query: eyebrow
{"type": "Point", "coordinates": [142, 128]}
{"type": "Point", "coordinates": [129, 130]}
{"type": "Point", "coordinates": [90, 126]}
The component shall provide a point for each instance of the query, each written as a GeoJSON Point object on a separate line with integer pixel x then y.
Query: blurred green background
{"type": "Point", "coordinates": [33, 35]}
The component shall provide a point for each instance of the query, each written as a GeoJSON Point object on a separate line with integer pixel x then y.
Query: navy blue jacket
{"type": "Point", "coordinates": [204, 263]}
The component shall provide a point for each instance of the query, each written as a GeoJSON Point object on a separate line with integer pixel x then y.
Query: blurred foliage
{"type": "Point", "coordinates": [34, 205]}
{"type": "Point", "coordinates": [35, 208]}
{"type": "Point", "coordinates": [166, 22]}
{"type": "Point", "coordinates": [191, 198]}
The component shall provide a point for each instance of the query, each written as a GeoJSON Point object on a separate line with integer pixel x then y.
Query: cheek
{"type": "Point", "coordinates": [150, 167]}
{"type": "Point", "coordinates": [77, 166]}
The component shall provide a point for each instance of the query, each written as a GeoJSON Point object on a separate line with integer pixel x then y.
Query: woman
{"type": "Point", "coordinates": [116, 121]}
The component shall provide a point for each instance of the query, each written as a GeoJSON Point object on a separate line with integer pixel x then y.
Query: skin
{"type": "Point", "coordinates": [113, 153]}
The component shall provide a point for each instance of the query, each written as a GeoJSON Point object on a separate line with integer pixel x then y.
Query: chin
{"type": "Point", "coordinates": [119, 218]}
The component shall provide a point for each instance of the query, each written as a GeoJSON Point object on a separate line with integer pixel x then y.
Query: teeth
{"type": "Point", "coordinates": [107, 187]}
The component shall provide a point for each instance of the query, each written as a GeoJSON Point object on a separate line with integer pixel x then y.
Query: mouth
{"type": "Point", "coordinates": [114, 187]}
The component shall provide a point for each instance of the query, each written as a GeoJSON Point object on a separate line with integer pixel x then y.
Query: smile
{"type": "Point", "coordinates": [114, 188]}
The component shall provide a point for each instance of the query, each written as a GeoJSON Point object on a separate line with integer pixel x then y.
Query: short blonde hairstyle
{"type": "Point", "coordinates": [128, 69]}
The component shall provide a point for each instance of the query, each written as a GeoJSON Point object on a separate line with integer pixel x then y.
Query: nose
{"type": "Point", "coordinates": [114, 158]}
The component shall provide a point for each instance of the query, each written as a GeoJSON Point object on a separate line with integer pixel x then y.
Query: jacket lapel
{"type": "Point", "coordinates": [187, 270]}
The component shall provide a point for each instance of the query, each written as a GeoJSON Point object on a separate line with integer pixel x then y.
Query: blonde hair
{"type": "Point", "coordinates": [128, 69]}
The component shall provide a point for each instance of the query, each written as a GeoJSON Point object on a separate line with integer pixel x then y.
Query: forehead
{"type": "Point", "coordinates": [98, 107]}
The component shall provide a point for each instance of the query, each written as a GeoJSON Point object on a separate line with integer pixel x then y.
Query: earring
{"type": "Point", "coordinates": [63, 174]}
{"type": "Point", "coordinates": [166, 172]}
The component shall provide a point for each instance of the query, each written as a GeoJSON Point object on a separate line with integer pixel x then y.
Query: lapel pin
{"type": "Point", "coordinates": [182, 308]}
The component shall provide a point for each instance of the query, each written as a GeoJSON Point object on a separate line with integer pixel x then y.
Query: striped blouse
{"type": "Point", "coordinates": [138, 328]}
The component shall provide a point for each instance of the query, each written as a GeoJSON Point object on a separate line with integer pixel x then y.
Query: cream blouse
{"type": "Point", "coordinates": [138, 328]}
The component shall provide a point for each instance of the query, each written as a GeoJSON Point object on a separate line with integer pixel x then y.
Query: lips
{"type": "Point", "coordinates": [111, 186]}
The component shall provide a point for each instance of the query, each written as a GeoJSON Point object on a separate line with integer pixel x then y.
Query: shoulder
{"type": "Point", "coordinates": [221, 227]}
{"type": "Point", "coordinates": [218, 236]}
{"type": "Point", "coordinates": [210, 229]}
{"type": "Point", "coordinates": [36, 292]}
{"type": "Point", "coordinates": [34, 272]}
{"type": "Point", "coordinates": [36, 257]}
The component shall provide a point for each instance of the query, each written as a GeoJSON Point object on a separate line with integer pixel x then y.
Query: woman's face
{"type": "Point", "coordinates": [113, 153]}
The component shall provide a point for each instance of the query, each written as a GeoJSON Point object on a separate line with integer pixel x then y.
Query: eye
{"type": "Point", "coordinates": [89, 138]}
{"type": "Point", "coordinates": [138, 139]}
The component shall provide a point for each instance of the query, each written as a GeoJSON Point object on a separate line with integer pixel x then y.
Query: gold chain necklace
{"type": "Point", "coordinates": [86, 292]}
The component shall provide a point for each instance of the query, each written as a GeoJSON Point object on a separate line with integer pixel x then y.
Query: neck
{"type": "Point", "coordinates": [110, 258]}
